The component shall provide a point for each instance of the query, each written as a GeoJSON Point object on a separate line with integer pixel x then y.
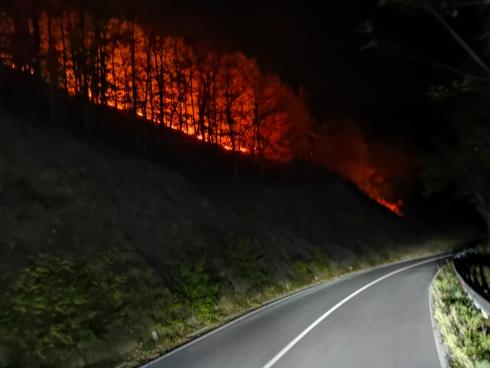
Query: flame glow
{"type": "Point", "coordinates": [393, 206]}
{"type": "Point", "coordinates": [342, 147]}
{"type": "Point", "coordinates": [219, 98]}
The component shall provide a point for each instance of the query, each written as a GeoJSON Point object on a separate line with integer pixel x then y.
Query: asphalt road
{"type": "Point", "coordinates": [379, 318]}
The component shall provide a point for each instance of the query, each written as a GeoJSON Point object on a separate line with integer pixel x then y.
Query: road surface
{"type": "Point", "coordinates": [378, 318]}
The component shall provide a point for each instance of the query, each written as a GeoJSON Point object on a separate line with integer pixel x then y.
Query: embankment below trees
{"type": "Point", "coordinates": [106, 257]}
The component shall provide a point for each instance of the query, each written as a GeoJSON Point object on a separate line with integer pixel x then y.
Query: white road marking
{"type": "Point", "coordinates": [337, 306]}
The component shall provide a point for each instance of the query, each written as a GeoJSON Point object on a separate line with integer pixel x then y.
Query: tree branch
{"type": "Point", "coordinates": [459, 40]}
{"type": "Point", "coordinates": [450, 68]}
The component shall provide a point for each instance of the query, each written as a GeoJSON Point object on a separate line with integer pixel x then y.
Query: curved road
{"type": "Point", "coordinates": [377, 318]}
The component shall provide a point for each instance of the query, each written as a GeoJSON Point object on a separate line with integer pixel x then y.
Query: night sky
{"type": "Point", "coordinates": [320, 47]}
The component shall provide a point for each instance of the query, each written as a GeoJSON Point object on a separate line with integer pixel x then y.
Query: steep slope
{"type": "Point", "coordinates": [237, 242]}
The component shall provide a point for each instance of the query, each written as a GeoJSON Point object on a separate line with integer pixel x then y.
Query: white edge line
{"type": "Point", "coordinates": [293, 295]}
{"type": "Point", "coordinates": [440, 347]}
{"type": "Point", "coordinates": [337, 306]}
{"type": "Point", "coordinates": [242, 317]}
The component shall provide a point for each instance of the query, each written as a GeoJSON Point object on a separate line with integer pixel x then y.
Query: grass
{"type": "Point", "coordinates": [58, 305]}
{"type": "Point", "coordinates": [466, 333]}
{"type": "Point", "coordinates": [247, 262]}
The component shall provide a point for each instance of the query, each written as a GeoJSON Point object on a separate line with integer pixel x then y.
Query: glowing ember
{"type": "Point", "coordinates": [393, 206]}
{"type": "Point", "coordinates": [371, 186]}
{"type": "Point", "coordinates": [342, 147]}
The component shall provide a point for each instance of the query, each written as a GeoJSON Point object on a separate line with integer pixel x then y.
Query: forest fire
{"type": "Point", "coordinates": [370, 180]}
{"type": "Point", "coordinates": [367, 185]}
{"type": "Point", "coordinates": [393, 206]}
{"type": "Point", "coordinates": [374, 168]}
{"type": "Point", "coordinates": [219, 98]}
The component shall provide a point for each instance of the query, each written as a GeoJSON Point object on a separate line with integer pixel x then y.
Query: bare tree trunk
{"type": "Point", "coordinates": [148, 86]}
{"type": "Point", "coordinates": [102, 75]}
{"type": "Point", "coordinates": [52, 71]}
{"type": "Point", "coordinates": [215, 116]}
{"type": "Point", "coordinates": [24, 50]}
{"type": "Point", "coordinates": [159, 61]}
{"type": "Point", "coordinates": [191, 91]}
{"type": "Point", "coordinates": [114, 78]}
{"type": "Point", "coordinates": [134, 89]}
{"type": "Point", "coordinates": [63, 44]}
{"type": "Point", "coordinates": [37, 42]}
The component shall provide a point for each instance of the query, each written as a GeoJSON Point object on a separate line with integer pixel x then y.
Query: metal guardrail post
{"type": "Point", "coordinates": [478, 300]}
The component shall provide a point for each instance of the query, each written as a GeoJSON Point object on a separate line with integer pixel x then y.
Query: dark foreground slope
{"type": "Point", "coordinates": [126, 258]}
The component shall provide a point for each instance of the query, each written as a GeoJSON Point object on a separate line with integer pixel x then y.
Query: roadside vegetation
{"type": "Point", "coordinates": [465, 331]}
{"type": "Point", "coordinates": [59, 310]}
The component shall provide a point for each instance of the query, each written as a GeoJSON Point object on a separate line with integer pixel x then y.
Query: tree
{"type": "Point", "coordinates": [460, 161]}
{"type": "Point", "coordinates": [453, 21]}
{"type": "Point", "coordinates": [119, 62]}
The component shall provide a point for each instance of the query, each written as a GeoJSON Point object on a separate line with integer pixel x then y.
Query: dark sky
{"type": "Point", "coordinates": [317, 45]}
{"type": "Point", "coordinates": [313, 45]}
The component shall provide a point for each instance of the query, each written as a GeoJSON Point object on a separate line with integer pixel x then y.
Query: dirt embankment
{"type": "Point", "coordinates": [243, 240]}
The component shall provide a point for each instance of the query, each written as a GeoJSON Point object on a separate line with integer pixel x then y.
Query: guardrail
{"type": "Point", "coordinates": [473, 271]}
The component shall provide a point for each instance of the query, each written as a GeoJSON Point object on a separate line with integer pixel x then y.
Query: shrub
{"type": "Point", "coordinates": [47, 309]}
{"type": "Point", "coordinates": [464, 330]}
{"type": "Point", "coordinates": [247, 261]}
{"type": "Point", "coordinates": [56, 303]}
{"type": "Point", "coordinates": [319, 262]}
{"type": "Point", "coordinates": [199, 290]}
{"type": "Point", "coordinates": [303, 269]}
{"type": "Point", "coordinates": [316, 267]}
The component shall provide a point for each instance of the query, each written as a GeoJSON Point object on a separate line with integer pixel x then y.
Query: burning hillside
{"type": "Point", "coordinates": [375, 168]}
{"type": "Point", "coordinates": [219, 98]}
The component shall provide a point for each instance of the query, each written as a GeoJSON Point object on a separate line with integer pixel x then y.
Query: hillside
{"type": "Point", "coordinates": [176, 250]}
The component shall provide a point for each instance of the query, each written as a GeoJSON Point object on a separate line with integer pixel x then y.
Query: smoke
{"type": "Point", "coordinates": [379, 169]}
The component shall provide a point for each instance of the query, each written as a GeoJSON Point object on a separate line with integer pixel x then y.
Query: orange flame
{"type": "Point", "coordinates": [393, 206]}
{"type": "Point", "coordinates": [222, 99]}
